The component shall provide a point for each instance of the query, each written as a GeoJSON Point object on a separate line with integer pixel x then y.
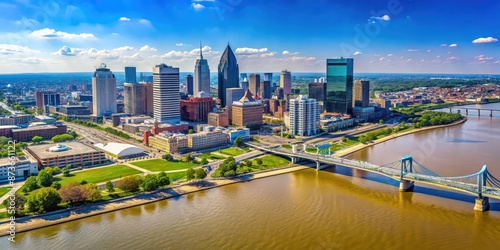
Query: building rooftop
{"type": "Point", "coordinates": [247, 97]}
{"type": "Point", "coordinates": [6, 161]}
{"type": "Point", "coordinates": [73, 148]}
{"type": "Point", "coordinates": [120, 149]}
{"type": "Point", "coordinates": [34, 128]}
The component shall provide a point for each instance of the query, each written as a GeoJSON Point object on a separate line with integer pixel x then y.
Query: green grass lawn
{"type": "Point", "coordinates": [231, 151]}
{"type": "Point", "coordinates": [158, 165]}
{"type": "Point", "coordinates": [270, 161]}
{"type": "Point", "coordinates": [210, 156]}
{"type": "Point", "coordinates": [176, 176]}
{"type": "Point", "coordinates": [99, 175]}
{"type": "Point", "coordinates": [4, 215]}
{"type": "Point", "coordinates": [349, 143]}
{"type": "Point", "coordinates": [4, 190]}
{"type": "Point", "coordinates": [288, 146]}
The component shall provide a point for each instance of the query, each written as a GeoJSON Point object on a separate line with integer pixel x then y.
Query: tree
{"type": "Point", "coordinates": [93, 192]}
{"type": "Point", "coordinates": [190, 131]}
{"type": "Point", "coordinates": [163, 179]}
{"type": "Point", "coordinates": [74, 193]}
{"type": "Point", "coordinates": [16, 205]}
{"type": "Point", "coordinates": [46, 199]}
{"type": "Point", "coordinates": [258, 161]}
{"type": "Point", "coordinates": [62, 137]}
{"type": "Point", "coordinates": [381, 121]}
{"type": "Point", "coordinates": [190, 174]}
{"type": "Point", "coordinates": [150, 183]}
{"type": "Point", "coordinates": [56, 171]}
{"type": "Point", "coordinates": [167, 157]}
{"type": "Point", "coordinates": [30, 184]}
{"type": "Point", "coordinates": [66, 171]}
{"type": "Point", "coordinates": [129, 183]}
{"type": "Point", "coordinates": [44, 178]}
{"type": "Point", "coordinates": [83, 182]}
{"type": "Point", "coordinates": [188, 158]}
{"type": "Point", "coordinates": [248, 163]}
{"type": "Point", "coordinates": [56, 185]}
{"type": "Point", "coordinates": [200, 174]}
{"type": "Point", "coordinates": [238, 142]}
{"type": "Point", "coordinates": [37, 139]}
{"type": "Point", "coordinates": [110, 187]}
{"type": "Point", "coordinates": [229, 173]}
{"type": "Point", "coordinates": [204, 161]}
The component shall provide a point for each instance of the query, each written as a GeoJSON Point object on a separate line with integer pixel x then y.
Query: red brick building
{"type": "Point", "coordinates": [47, 132]}
{"type": "Point", "coordinates": [196, 109]}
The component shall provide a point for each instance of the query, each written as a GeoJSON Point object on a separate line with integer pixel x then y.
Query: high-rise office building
{"type": "Point", "coordinates": [201, 75]}
{"type": "Point", "coordinates": [244, 84]}
{"type": "Point", "coordinates": [228, 74]}
{"type": "Point", "coordinates": [103, 91]}
{"type": "Point", "coordinates": [148, 98]}
{"type": "Point", "coordinates": [317, 91]}
{"type": "Point", "coordinates": [269, 77]}
{"type": "Point", "coordinates": [134, 96]}
{"type": "Point", "coordinates": [361, 93]}
{"type": "Point", "coordinates": [130, 75]}
{"type": "Point", "coordinates": [166, 94]}
{"type": "Point", "coordinates": [254, 84]}
{"type": "Point", "coordinates": [196, 109]}
{"type": "Point", "coordinates": [243, 76]}
{"type": "Point", "coordinates": [286, 82]}
{"type": "Point", "coordinates": [304, 116]}
{"type": "Point", "coordinates": [189, 85]}
{"type": "Point", "coordinates": [247, 111]}
{"type": "Point", "coordinates": [233, 94]}
{"type": "Point", "coordinates": [339, 85]}
{"type": "Point", "coordinates": [265, 89]}
{"type": "Point", "coordinates": [43, 98]}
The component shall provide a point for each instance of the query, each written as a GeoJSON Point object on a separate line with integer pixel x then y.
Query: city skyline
{"type": "Point", "coordinates": [383, 36]}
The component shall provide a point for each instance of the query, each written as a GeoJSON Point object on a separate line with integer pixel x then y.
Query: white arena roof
{"type": "Point", "coordinates": [120, 149]}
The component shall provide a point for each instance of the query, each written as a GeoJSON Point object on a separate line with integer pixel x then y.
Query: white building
{"type": "Point", "coordinates": [304, 116]}
{"type": "Point", "coordinates": [201, 75]}
{"type": "Point", "coordinates": [120, 150]}
{"type": "Point", "coordinates": [166, 98]}
{"type": "Point", "coordinates": [103, 91]}
{"type": "Point", "coordinates": [21, 166]}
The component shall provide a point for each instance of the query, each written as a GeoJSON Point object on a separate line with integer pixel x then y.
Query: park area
{"type": "Point", "coordinates": [268, 162]}
{"type": "Point", "coordinates": [232, 151]}
{"type": "Point", "coordinates": [158, 165]}
{"type": "Point", "coordinates": [98, 175]}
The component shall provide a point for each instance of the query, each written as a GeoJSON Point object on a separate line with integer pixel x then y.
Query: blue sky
{"type": "Point", "coordinates": [382, 36]}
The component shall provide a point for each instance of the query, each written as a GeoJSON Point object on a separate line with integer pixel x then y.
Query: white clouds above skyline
{"type": "Point", "coordinates": [453, 45]}
{"type": "Point", "coordinates": [147, 48]}
{"type": "Point", "coordinates": [197, 6]}
{"type": "Point", "coordinates": [485, 40]}
{"type": "Point", "coordinates": [47, 33]}
{"type": "Point", "coordinates": [357, 53]}
{"type": "Point", "coordinates": [248, 51]}
{"type": "Point", "coordinates": [124, 19]}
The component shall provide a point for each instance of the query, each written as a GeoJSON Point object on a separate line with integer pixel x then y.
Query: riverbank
{"type": "Point", "coordinates": [29, 223]}
{"type": "Point", "coordinates": [348, 151]}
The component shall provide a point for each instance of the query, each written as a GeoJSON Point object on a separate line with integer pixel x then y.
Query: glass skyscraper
{"type": "Point", "coordinates": [228, 74]}
{"type": "Point", "coordinates": [338, 88]}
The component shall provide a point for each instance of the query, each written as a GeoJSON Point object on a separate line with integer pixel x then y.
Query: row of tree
{"type": "Point", "coordinates": [370, 136]}
{"type": "Point", "coordinates": [198, 174]}
{"type": "Point", "coordinates": [229, 167]}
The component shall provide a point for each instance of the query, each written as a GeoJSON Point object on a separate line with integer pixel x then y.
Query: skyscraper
{"type": "Point", "coordinates": [338, 87]}
{"type": "Point", "coordinates": [228, 72]}
{"type": "Point", "coordinates": [166, 94]}
{"type": "Point", "coordinates": [189, 85]}
{"type": "Point", "coordinates": [201, 75]}
{"type": "Point", "coordinates": [254, 84]}
{"type": "Point", "coordinates": [130, 75]}
{"type": "Point", "coordinates": [304, 116]}
{"type": "Point", "coordinates": [134, 98]}
{"type": "Point", "coordinates": [244, 84]}
{"type": "Point", "coordinates": [269, 77]}
{"type": "Point", "coordinates": [286, 82]}
{"type": "Point", "coordinates": [361, 93]}
{"type": "Point", "coordinates": [317, 91]}
{"type": "Point", "coordinates": [103, 91]}
{"type": "Point", "coordinates": [265, 90]}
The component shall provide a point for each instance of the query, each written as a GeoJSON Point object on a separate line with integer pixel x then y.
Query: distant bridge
{"type": "Point", "coordinates": [475, 109]}
{"type": "Point", "coordinates": [482, 184]}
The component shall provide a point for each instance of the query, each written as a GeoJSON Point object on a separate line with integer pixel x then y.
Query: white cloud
{"type": "Point", "coordinates": [124, 48]}
{"type": "Point", "coordinates": [197, 6]}
{"type": "Point", "coordinates": [248, 51]}
{"type": "Point", "coordinates": [207, 50]}
{"type": "Point", "coordinates": [357, 53]}
{"type": "Point", "coordinates": [381, 59]}
{"type": "Point", "coordinates": [9, 49]}
{"type": "Point", "coordinates": [285, 52]}
{"type": "Point", "coordinates": [483, 58]}
{"type": "Point", "coordinates": [67, 51]}
{"type": "Point", "coordinates": [443, 45]}
{"type": "Point", "coordinates": [453, 45]}
{"type": "Point", "coordinates": [30, 60]}
{"type": "Point", "coordinates": [145, 22]}
{"type": "Point", "coordinates": [182, 44]}
{"type": "Point", "coordinates": [148, 48]}
{"type": "Point", "coordinates": [429, 50]}
{"type": "Point", "coordinates": [413, 50]}
{"type": "Point", "coordinates": [53, 34]}
{"type": "Point", "coordinates": [453, 58]}
{"type": "Point", "coordinates": [485, 40]}
{"type": "Point", "coordinates": [381, 18]}
{"type": "Point", "coordinates": [268, 54]}
{"type": "Point", "coordinates": [124, 19]}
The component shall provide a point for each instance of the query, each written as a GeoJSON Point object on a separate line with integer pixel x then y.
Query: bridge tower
{"type": "Point", "coordinates": [406, 167]}
{"type": "Point", "coordinates": [482, 203]}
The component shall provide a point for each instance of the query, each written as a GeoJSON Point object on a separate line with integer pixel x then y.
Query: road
{"type": "Point", "coordinates": [6, 107]}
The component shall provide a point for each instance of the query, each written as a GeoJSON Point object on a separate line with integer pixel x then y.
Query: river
{"type": "Point", "coordinates": [332, 209]}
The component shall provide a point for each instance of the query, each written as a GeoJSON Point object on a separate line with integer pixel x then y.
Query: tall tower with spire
{"type": "Point", "coordinates": [201, 75]}
{"type": "Point", "coordinates": [228, 72]}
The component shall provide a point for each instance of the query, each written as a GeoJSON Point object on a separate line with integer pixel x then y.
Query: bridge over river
{"type": "Point", "coordinates": [407, 171]}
